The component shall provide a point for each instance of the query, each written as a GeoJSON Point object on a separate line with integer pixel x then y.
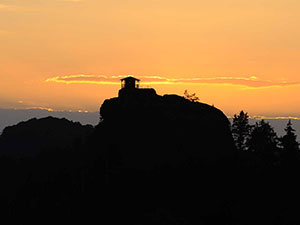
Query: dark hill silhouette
{"type": "Point", "coordinates": [41, 167]}
{"type": "Point", "coordinates": [28, 139]}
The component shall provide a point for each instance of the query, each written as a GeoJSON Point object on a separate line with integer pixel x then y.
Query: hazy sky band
{"type": "Point", "coordinates": [251, 82]}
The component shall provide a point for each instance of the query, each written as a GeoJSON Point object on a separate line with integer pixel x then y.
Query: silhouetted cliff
{"type": "Point", "coordinates": [166, 153]}
{"type": "Point", "coordinates": [165, 130]}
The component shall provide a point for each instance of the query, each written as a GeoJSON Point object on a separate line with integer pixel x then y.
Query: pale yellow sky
{"type": "Point", "coordinates": [216, 42]}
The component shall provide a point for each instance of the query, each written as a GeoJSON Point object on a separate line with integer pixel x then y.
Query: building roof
{"type": "Point", "coordinates": [130, 78]}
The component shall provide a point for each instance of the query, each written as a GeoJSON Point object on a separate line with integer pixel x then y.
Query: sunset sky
{"type": "Point", "coordinates": [70, 54]}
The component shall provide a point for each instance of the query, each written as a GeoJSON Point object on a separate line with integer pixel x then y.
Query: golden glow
{"type": "Point", "coordinates": [233, 54]}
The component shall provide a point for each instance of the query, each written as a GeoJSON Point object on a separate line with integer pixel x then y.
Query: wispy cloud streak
{"type": "Point", "coordinates": [4, 7]}
{"type": "Point", "coordinates": [246, 82]}
{"type": "Point", "coordinates": [41, 108]}
{"type": "Point", "coordinates": [275, 117]}
{"type": "Point", "coordinates": [15, 8]}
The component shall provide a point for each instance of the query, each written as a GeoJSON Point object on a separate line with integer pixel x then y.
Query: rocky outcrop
{"type": "Point", "coordinates": [166, 151]}
{"type": "Point", "coordinates": [148, 124]}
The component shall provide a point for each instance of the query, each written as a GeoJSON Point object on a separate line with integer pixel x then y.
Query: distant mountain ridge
{"type": "Point", "coordinates": [9, 117]}
{"type": "Point", "coordinates": [31, 137]}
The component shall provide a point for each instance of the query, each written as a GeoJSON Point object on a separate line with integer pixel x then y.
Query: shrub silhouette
{"type": "Point", "coordinates": [191, 97]}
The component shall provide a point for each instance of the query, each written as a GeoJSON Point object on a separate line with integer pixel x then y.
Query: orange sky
{"type": "Point", "coordinates": [235, 54]}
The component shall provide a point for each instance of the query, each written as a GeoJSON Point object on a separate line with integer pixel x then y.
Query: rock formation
{"type": "Point", "coordinates": [166, 152]}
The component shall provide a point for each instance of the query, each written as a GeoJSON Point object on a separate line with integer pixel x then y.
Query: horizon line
{"type": "Point", "coordinates": [50, 110]}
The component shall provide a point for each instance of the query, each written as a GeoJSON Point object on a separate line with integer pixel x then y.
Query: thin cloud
{"type": "Point", "coordinates": [275, 117]}
{"type": "Point", "coordinates": [41, 108]}
{"type": "Point", "coordinates": [6, 7]}
{"type": "Point", "coordinates": [271, 117]}
{"type": "Point", "coordinates": [15, 8]}
{"type": "Point", "coordinates": [88, 79]}
{"type": "Point", "coordinates": [245, 82]}
{"type": "Point", "coordinates": [3, 6]}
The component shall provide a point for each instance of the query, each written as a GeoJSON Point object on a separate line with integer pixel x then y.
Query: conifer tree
{"type": "Point", "coordinates": [263, 141]}
{"type": "Point", "coordinates": [241, 130]}
{"type": "Point", "coordinates": [290, 146]}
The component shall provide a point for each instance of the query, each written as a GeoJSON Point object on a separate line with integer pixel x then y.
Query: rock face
{"type": "Point", "coordinates": [161, 128]}
{"type": "Point", "coordinates": [166, 152]}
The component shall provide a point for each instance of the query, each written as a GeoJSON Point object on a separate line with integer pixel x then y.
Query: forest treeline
{"type": "Point", "coordinates": [261, 141]}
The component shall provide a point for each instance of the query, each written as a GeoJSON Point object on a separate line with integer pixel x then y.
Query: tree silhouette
{"type": "Point", "coordinates": [241, 130]}
{"type": "Point", "coordinates": [289, 144]}
{"type": "Point", "coordinates": [263, 141]}
{"type": "Point", "coordinates": [191, 97]}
